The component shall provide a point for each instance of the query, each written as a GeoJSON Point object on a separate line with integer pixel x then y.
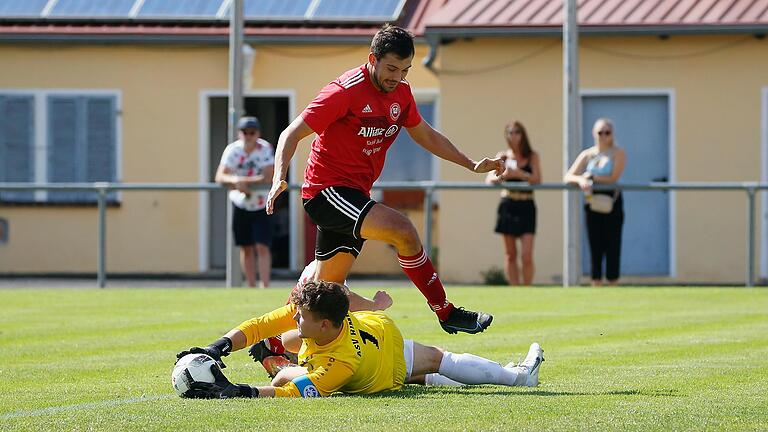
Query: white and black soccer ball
{"type": "Point", "coordinates": [192, 368]}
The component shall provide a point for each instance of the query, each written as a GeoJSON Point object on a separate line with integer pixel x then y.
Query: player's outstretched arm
{"type": "Point", "coordinates": [221, 347]}
{"type": "Point", "coordinates": [286, 147]}
{"type": "Point", "coordinates": [440, 146]}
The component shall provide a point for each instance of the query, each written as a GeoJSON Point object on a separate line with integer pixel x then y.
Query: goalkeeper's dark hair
{"type": "Point", "coordinates": [327, 300]}
{"type": "Point", "coordinates": [392, 39]}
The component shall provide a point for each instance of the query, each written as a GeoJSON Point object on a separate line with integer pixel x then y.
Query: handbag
{"type": "Point", "coordinates": [601, 203]}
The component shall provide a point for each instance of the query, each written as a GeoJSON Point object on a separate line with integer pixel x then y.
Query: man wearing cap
{"type": "Point", "coordinates": [249, 160]}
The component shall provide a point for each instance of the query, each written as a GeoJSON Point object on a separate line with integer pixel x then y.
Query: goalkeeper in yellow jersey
{"type": "Point", "coordinates": [349, 352]}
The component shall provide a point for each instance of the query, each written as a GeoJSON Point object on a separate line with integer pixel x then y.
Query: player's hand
{"type": "Point", "coordinates": [210, 350]}
{"type": "Point", "coordinates": [381, 300]}
{"type": "Point", "coordinates": [277, 189]}
{"type": "Point", "coordinates": [221, 388]}
{"type": "Point", "coordinates": [487, 164]}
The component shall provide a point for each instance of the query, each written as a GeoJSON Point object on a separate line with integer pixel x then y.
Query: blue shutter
{"type": "Point", "coordinates": [17, 144]}
{"type": "Point", "coordinates": [101, 140]}
{"type": "Point", "coordinates": [64, 137]}
{"type": "Point", "coordinates": [81, 143]}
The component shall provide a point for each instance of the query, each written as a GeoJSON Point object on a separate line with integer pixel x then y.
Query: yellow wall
{"type": "Point", "coordinates": [160, 88]}
{"type": "Point", "coordinates": [717, 82]}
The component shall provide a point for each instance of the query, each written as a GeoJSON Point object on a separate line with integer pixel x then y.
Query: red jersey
{"type": "Point", "coordinates": [355, 124]}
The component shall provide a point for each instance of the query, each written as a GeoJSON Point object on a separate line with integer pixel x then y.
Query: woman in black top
{"type": "Point", "coordinates": [516, 214]}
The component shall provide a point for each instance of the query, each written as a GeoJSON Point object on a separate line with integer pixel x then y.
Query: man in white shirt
{"type": "Point", "coordinates": [250, 160]}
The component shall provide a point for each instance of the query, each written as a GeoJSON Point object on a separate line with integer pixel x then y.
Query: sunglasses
{"type": "Point", "coordinates": [514, 132]}
{"type": "Point", "coordinates": [248, 133]}
{"type": "Point", "coordinates": [604, 133]}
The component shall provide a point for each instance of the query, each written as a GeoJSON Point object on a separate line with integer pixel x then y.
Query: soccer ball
{"type": "Point", "coordinates": [192, 368]}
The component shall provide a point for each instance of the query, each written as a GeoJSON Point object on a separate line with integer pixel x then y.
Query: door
{"type": "Point", "coordinates": [273, 114]}
{"type": "Point", "coordinates": [641, 127]}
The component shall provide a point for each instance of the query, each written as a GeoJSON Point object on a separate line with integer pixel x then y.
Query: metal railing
{"type": "Point", "coordinates": [429, 188]}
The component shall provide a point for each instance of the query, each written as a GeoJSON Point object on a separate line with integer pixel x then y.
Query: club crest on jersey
{"type": "Point", "coordinates": [394, 111]}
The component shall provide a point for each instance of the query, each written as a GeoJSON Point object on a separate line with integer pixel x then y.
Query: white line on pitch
{"type": "Point", "coordinates": [83, 406]}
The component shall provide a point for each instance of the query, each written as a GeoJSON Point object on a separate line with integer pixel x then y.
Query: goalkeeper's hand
{"type": "Point", "coordinates": [217, 350]}
{"type": "Point", "coordinates": [221, 388]}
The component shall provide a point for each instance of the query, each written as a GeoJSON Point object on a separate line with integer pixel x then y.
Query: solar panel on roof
{"type": "Point", "coordinates": [358, 10]}
{"type": "Point", "coordinates": [179, 9]}
{"type": "Point", "coordinates": [90, 8]}
{"type": "Point", "coordinates": [276, 9]}
{"type": "Point", "coordinates": [17, 8]}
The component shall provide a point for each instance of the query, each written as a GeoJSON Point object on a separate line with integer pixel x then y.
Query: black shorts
{"type": "Point", "coordinates": [338, 212]}
{"type": "Point", "coordinates": [516, 217]}
{"type": "Point", "coordinates": [251, 227]}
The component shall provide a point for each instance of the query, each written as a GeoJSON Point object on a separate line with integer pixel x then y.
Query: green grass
{"type": "Point", "coordinates": [616, 359]}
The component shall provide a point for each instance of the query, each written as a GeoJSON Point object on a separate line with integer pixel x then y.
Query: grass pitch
{"type": "Point", "coordinates": [616, 359]}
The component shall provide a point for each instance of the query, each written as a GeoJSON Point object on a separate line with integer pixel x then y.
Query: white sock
{"type": "Point", "coordinates": [471, 369]}
{"type": "Point", "coordinates": [435, 379]}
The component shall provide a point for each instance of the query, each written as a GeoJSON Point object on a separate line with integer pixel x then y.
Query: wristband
{"type": "Point", "coordinates": [224, 345]}
{"type": "Point", "coordinates": [246, 391]}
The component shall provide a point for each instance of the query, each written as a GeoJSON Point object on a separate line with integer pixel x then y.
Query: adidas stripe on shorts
{"type": "Point", "coordinates": [338, 212]}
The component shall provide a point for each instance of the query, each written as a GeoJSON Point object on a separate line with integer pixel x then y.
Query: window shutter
{"type": "Point", "coordinates": [64, 131]}
{"type": "Point", "coordinates": [82, 143]}
{"type": "Point", "coordinates": [17, 144]}
{"type": "Point", "coordinates": [101, 141]}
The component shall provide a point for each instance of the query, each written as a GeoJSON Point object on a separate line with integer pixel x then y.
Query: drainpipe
{"type": "Point", "coordinates": [434, 45]}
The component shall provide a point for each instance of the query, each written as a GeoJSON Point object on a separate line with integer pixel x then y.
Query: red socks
{"type": "Point", "coordinates": [422, 273]}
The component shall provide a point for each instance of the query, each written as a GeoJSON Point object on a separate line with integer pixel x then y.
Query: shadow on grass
{"type": "Point", "coordinates": [424, 392]}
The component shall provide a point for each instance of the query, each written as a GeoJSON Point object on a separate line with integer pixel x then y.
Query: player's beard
{"type": "Point", "coordinates": [379, 84]}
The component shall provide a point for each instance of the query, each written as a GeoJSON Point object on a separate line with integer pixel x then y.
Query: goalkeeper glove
{"type": "Point", "coordinates": [221, 388]}
{"type": "Point", "coordinates": [221, 348]}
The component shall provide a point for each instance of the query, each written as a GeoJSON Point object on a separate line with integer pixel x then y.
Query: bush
{"type": "Point", "coordinates": [494, 276]}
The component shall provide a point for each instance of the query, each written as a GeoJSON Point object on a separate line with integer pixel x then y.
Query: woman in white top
{"type": "Point", "coordinates": [602, 163]}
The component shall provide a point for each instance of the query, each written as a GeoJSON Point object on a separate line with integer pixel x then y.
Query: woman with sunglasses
{"type": "Point", "coordinates": [516, 214]}
{"type": "Point", "coordinates": [602, 163]}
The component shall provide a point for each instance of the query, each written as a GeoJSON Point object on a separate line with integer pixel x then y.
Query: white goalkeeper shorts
{"type": "Point", "coordinates": [408, 354]}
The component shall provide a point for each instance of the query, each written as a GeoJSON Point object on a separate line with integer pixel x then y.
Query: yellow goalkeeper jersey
{"type": "Point", "coordinates": [366, 357]}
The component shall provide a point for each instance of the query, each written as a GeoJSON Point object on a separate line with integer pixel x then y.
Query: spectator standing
{"type": "Point", "coordinates": [602, 163]}
{"type": "Point", "coordinates": [247, 161]}
{"type": "Point", "coordinates": [516, 214]}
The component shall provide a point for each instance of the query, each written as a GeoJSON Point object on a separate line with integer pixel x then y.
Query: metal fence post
{"type": "Point", "coordinates": [102, 247]}
{"type": "Point", "coordinates": [750, 235]}
{"type": "Point", "coordinates": [428, 191]}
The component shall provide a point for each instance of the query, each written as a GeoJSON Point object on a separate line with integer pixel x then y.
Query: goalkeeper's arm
{"type": "Point", "coordinates": [249, 332]}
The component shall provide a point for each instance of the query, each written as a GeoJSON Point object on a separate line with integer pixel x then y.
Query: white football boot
{"type": "Point", "coordinates": [530, 366]}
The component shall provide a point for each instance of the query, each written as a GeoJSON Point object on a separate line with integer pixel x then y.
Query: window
{"type": "Point", "coordinates": [408, 161]}
{"type": "Point", "coordinates": [76, 142]}
{"type": "Point", "coordinates": [17, 144]}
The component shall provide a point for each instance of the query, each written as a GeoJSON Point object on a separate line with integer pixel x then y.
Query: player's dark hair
{"type": "Point", "coordinates": [327, 300]}
{"type": "Point", "coordinates": [392, 39]}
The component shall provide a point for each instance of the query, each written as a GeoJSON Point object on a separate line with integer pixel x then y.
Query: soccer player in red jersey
{"type": "Point", "coordinates": [356, 118]}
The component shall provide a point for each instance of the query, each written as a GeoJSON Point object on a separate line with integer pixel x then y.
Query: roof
{"type": "Point", "coordinates": [474, 17]}
{"type": "Point", "coordinates": [413, 18]}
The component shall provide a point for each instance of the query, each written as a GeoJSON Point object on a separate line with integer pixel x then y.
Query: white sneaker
{"type": "Point", "coordinates": [531, 364]}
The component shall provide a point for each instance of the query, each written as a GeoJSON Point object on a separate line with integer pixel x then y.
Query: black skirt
{"type": "Point", "coordinates": [516, 217]}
